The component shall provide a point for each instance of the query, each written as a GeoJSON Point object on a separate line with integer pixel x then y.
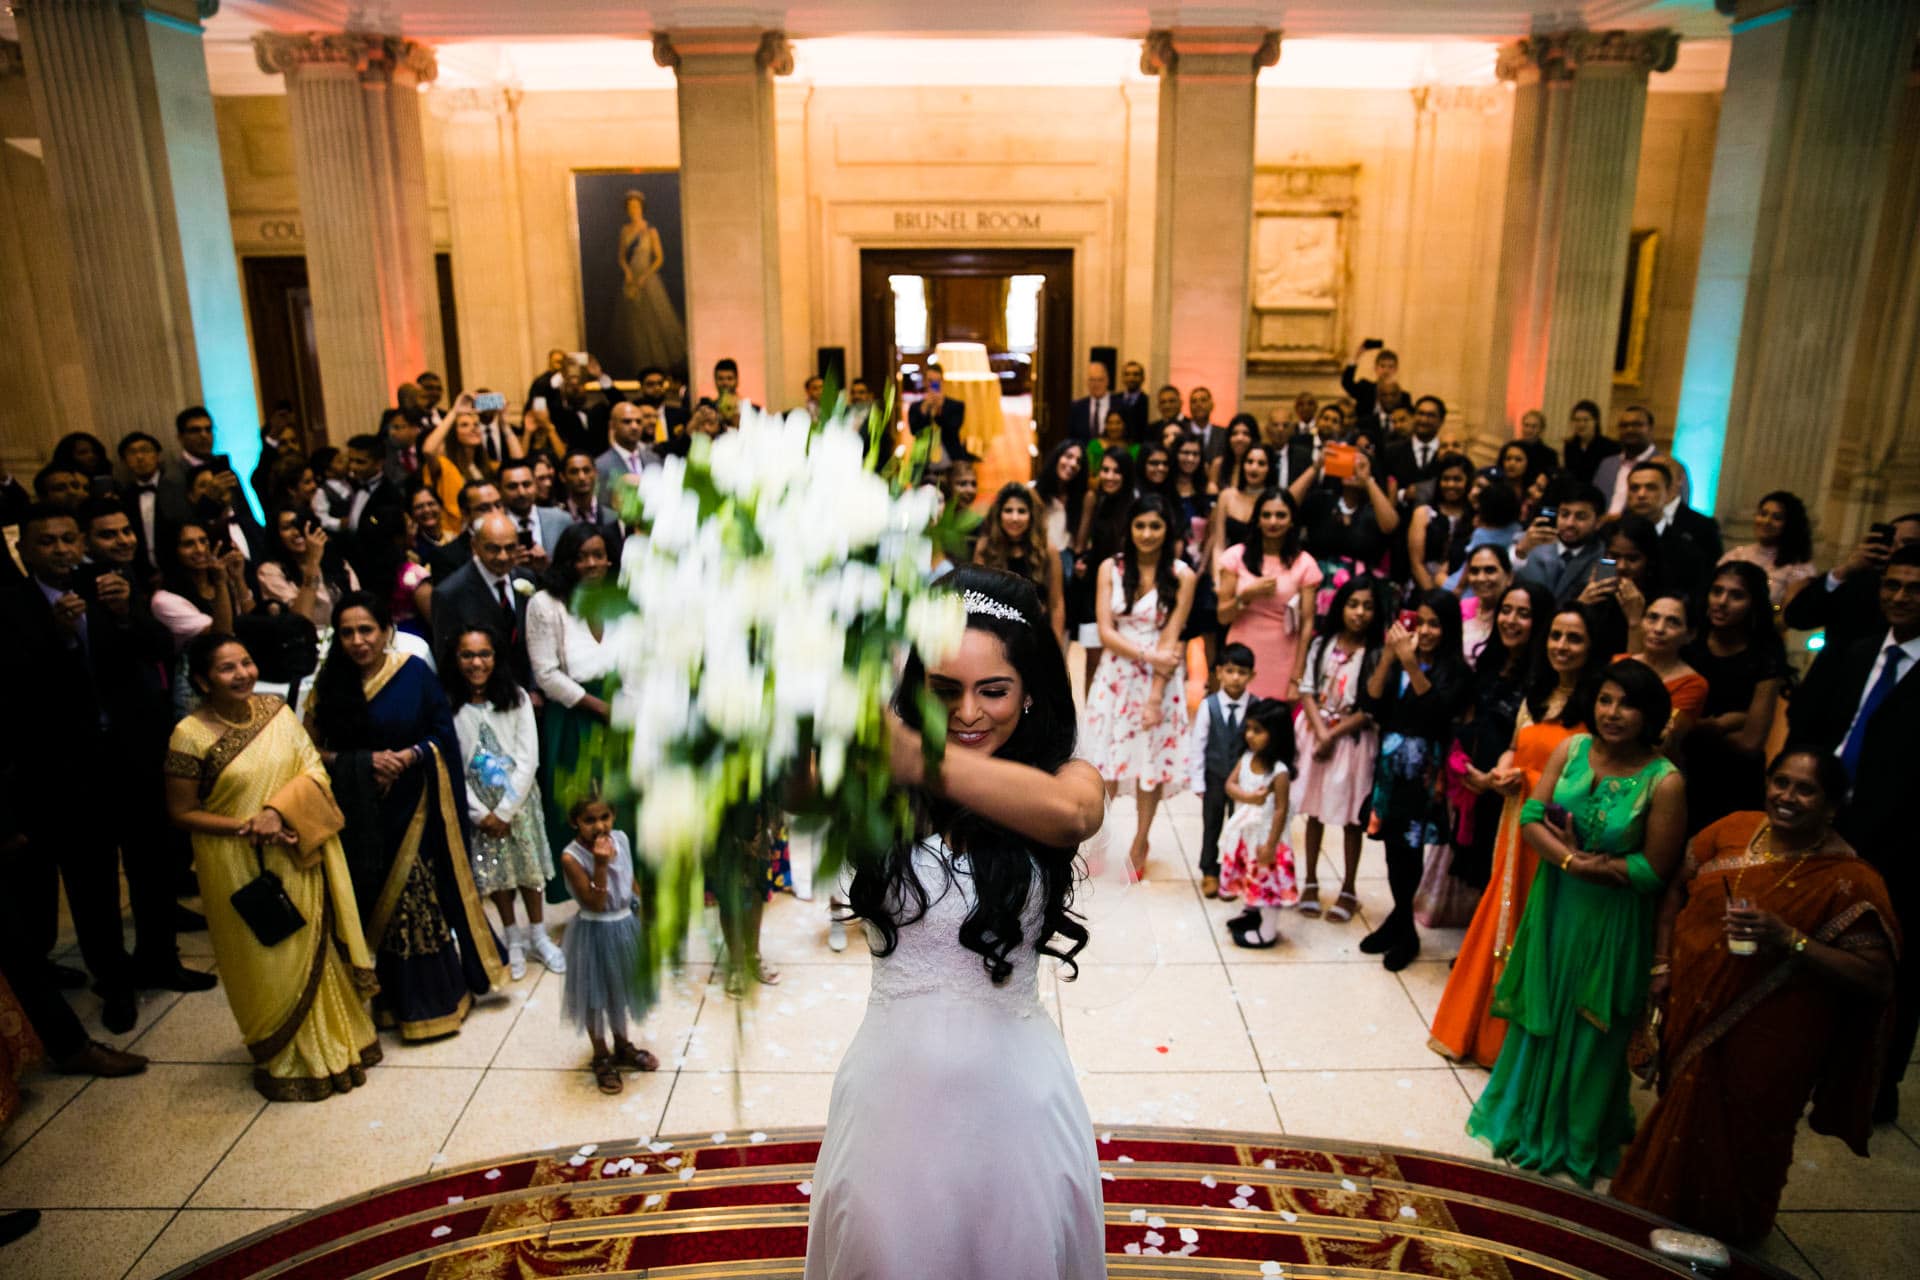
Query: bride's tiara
{"type": "Point", "coordinates": [980, 602]}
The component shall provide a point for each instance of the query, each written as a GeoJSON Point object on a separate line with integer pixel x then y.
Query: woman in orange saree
{"type": "Point", "coordinates": [1464, 1027]}
{"type": "Point", "coordinates": [1750, 1037]}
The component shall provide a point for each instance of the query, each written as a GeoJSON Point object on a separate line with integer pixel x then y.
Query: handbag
{"type": "Point", "coordinates": [1443, 900]}
{"type": "Point", "coordinates": [263, 903]}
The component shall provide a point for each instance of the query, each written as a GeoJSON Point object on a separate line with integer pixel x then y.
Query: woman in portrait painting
{"type": "Point", "coordinates": [646, 331]}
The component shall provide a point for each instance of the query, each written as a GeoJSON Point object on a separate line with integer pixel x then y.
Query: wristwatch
{"type": "Point", "coordinates": [1799, 944]}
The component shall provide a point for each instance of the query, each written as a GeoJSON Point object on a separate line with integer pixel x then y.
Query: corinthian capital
{"type": "Point", "coordinates": [1218, 48]}
{"type": "Point", "coordinates": [1560, 55]}
{"type": "Point", "coordinates": [367, 53]}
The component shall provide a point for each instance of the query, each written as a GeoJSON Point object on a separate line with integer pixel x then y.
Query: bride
{"type": "Point", "coordinates": [957, 1143]}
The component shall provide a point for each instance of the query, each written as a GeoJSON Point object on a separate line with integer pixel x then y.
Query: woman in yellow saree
{"type": "Point", "coordinates": [246, 781]}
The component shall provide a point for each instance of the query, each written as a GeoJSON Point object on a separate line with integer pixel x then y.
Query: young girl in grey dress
{"type": "Point", "coordinates": [603, 943]}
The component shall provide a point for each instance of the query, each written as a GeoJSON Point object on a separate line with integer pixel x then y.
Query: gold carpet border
{"type": "Point", "coordinates": [694, 1143]}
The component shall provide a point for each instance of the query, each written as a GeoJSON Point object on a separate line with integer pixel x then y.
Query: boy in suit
{"type": "Point", "coordinates": [1214, 746]}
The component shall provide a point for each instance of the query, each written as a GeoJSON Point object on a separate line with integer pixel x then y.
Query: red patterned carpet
{"type": "Point", "coordinates": [1179, 1204]}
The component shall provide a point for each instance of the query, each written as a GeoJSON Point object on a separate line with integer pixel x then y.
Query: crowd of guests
{"type": "Point", "coordinates": [1544, 684]}
{"type": "Point", "coordinates": [1549, 688]}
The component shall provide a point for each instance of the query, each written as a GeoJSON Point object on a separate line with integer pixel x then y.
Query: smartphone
{"type": "Point", "coordinates": [1372, 344]}
{"type": "Point", "coordinates": [1557, 815]}
{"type": "Point", "coordinates": [538, 404]}
{"type": "Point", "coordinates": [1408, 619]}
{"type": "Point", "coordinates": [489, 402]}
{"type": "Point", "coordinates": [1336, 460]}
{"type": "Point", "coordinates": [223, 463]}
{"type": "Point", "coordinates": [1607, 570]}
{"type": "Point", "coordinates": [1550, 514]}
{"type": "Point", "coordinates": [579, 358]}
{"type": "Point", "coordinates": [1880, 533]}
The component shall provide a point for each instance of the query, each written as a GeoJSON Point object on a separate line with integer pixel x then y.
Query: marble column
{"type": "Point", "coordinates": [1800, 176]}
{"type": "Point", "coordinates": [729, 200]}
{"type": "Point", "coordinates": [1203, 198]}
{"type": "Point", "coordinates": [480, 145]}
{"type": "Point", "coordinates": [1579, 101]}
{"type": "Point", "coordinates": [124, 118]}
{"type": "Point", "coordinates": [360, 162]}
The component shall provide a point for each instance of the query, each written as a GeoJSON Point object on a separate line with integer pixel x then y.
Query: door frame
{"type": "Point", "coordinates": [1053, 358]}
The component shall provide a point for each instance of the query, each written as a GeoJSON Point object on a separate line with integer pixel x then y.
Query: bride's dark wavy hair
{"type": "Point", "coordinates": [1003, 863]}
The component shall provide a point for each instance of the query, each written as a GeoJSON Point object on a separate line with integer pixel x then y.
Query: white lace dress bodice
{"type": "Point", "coordinates": [930, 958]}
{"type": "Point", "coordinates": [956, 1091]}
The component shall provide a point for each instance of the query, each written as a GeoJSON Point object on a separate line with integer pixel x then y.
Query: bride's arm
{"type": "Point", "coordinates": [1063, 809]}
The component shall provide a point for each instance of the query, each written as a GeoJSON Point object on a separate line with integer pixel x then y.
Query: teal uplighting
{"type": "Point", "coordinates": [1817, 641]}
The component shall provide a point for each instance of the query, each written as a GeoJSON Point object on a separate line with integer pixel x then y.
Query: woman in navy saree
{"type": "Point", "coordinates": [386, 732]}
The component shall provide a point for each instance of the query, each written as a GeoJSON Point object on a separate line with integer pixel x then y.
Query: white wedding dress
{"type": "Point", "coordinates": [958, 1146]}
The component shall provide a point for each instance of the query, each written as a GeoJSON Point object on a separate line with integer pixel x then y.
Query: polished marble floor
{"type": "Point", "coordinates": [1170, 1024]}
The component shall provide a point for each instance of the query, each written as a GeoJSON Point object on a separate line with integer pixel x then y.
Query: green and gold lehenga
{"type": "Point", "coordinates": [301, 1003]}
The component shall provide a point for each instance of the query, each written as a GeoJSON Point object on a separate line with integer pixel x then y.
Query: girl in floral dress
{"type": "Point", "coordinates": [1136, 714]}
{"type": "Point", "coordinates": [1258, 865]}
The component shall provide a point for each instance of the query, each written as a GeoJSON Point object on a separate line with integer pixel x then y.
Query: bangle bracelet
{"type": "Point", "coordinates": [1659, 969]}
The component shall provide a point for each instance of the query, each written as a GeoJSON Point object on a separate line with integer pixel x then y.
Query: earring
{"type": "Point", "coordinates": [1026, 706]}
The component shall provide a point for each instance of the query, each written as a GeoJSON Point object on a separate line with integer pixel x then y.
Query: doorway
{"type": "Point", "coordinates": [1016, 302]}
{"type": "Point", "coordinates": [286, 358]}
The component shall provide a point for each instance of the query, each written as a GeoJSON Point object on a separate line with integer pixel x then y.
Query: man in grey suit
{"type": "Point", "coordinates": [540, 527]}
{"type": "Point", "coordinates": [1563, 565]}
{"type": "Point", "coordinates": [629, 428]}
{"type": "Point", "coordinates": [1636, 446]}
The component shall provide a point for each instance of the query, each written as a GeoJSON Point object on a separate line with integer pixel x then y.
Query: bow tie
{"type": "Point", "coordinates": [148, 487]}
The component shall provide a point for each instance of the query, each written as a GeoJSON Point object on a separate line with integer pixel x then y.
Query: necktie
{"type": "Point", "coordinates": [1881, 691]}
{"type": "Point", "coordinates": [1233, 717]}
{"type": "Point", "coordinates": [633, 463]}
{"type": "Point", "coordinates": [506, 601]}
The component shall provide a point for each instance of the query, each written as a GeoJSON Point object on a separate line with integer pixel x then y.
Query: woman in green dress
{"type": "Point", "coordinates": [1608, 820]}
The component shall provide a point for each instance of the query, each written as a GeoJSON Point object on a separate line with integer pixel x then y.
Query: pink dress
{"type": "Point", "coordinates": [1270, 624]}
{"type": "Point", "coordinates": [1240, 841]}
{"type": "Point", "coordinates": [1117, 741]}
{"type": "Point", "coordinates": [1334, 790]}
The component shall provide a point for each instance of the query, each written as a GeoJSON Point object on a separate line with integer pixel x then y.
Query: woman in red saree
{"type": "Point", "coordinates": [1749, 1038]}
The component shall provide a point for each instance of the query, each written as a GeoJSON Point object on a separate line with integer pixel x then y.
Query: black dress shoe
{"type": "Point", "coordinates": [17, 1223]}
{"type": "Point", "coordinates": [1403, 953]}
{"type": "Point", "coordinates": [119, 1011]}
{"type": "Point", "coordinates": [177, 977]}
{"type": "Point", "coordinates": [187, 920]}
{"type": "Point", "coordinates": [1379, 942]}
{"type": "Point", "coordinates": [66, 977]}
{"type": "Point", "coordinates": [98, 1059]}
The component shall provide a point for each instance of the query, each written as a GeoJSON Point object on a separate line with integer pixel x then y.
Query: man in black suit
{"type": "Point", "coordinates": [1166, 412]}
{"type": "Point", "coordinates": [1292, 447]}
{"type": "Point", "coordinates": [1212, 435]}
{"type": "Point", "coordinates": [139, 486]}
{"type": "Point", "coordinates": [934, 407]}
{"type": "Point", "coordinates": [1689, 541]}
{"type": "Point", "coordinates": [1413, 460]}
{"type": "Point", "coordinates": [488, 591]}
{"type": "Point", "coordinates": [1133, 400]}
{"type": "Point", "coordinates": [655, 389]}
{"type": "Point", "coordinates": [477, 500]}
{"type": "Point", "coordinates": [375, 512]}
{"type": "Point", "coordinates": [1087, 420]}
{"type": "Point", "coordinates": [1863, 703]}
{"type": "Point", "coordinates": [78, 664]}
{"type": "Point", "coordinates": [1847, 600]}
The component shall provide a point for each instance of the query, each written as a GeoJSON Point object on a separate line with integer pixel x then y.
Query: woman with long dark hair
{"type": "Point", "coordinates": [1782, 546]}
{"type": "Point", "coordinates": [1586, 444]}
{"type": "Point", "coordinates": [1414, 692]}
{"type": "Point", "coordinates": [84, 452]}
{"type": "Point", "coordinates": [1745, 662]}
{"type": "Point", "coordinates": [1243, 431]}
{"type": "Point", "coordinates": [293, 572]}
{"type": "Point", "coordinates": [1102, 533]}
{"type": "Point", "coordinates": [1136, 708]}
{"type": "Point", "coordinates": [1581, 641]}
{"type": "Point", "coordinates": [1061, 487]}
{"type": "Point", "coordinates": [1608, 819]}
{"type": "Point", "coordinates": [1267, 593]}
{"type": "Point", "coordinates": [1437, 532]}
{"type": "Point", "coordinates": [385, 730]}
{"type": "Point", "coordinates": [1514, 650]}
{"type": "Point", "coordinates": [955, 1065]}
{"type": "Point", "coordinates": [1011, 538]}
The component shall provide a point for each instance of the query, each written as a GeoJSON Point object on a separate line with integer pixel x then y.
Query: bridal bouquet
{"type": "Point", "coordinates": [765, 604]}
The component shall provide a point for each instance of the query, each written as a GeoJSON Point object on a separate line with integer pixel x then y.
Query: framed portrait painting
{"type": "Point", "coordinates": [633, 291]}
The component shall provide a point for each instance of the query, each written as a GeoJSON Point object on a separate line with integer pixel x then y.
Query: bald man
{"type": "Point", "coordinates": [489, 590]}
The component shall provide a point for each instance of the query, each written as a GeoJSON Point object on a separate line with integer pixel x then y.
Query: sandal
{"type": "Point", "coordinates": [605, 1075]}
{"type": "Point", "coordinates": [1310, 899]}
{"type": "Point", "coordinates": [630, 1058]}
{"type": "Point", "coordinates": [1343, 908]}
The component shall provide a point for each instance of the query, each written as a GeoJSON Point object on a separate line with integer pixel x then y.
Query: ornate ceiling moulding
{"type": "Point", "coordinates": [770, 49]}
{"type": "Point", "coordinates": [368, 54]}
{"type": "Point", "coordinates": [1559, 55]}
{"type": "Point", "coordinates": [1161, 50]}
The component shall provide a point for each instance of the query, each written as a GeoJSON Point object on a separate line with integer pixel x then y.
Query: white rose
{"type": "Point", "coordinates": [675, 817]}
{"type": "Point", "coordinates": [936, 623]}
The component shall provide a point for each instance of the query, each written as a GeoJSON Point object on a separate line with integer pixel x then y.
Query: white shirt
{"type": "Point", "coordinates": [1666, 516]}
{"type": "Point", "coordinates": [1617, 502]}
{"type": "Point", "coordinates": [1912, 659]}
{"type": "Point", "coordinates": [1097, 413]}
{"type": "Point", "coordinates": [493, 583]}
{"type": "Point", "coordinates": [562, 650]}
{"type": "Point", "coordinates": [1197, 735]}
{"type": "Point", "coordinates": [1424, 451]}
